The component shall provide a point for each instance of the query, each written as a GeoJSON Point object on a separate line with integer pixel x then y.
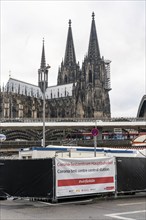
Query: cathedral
{"type": "Point", "coordinates": [81, 92]}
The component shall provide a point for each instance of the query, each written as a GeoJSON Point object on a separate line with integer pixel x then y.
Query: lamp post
{"type": "Point", "coordinates": [44, 71]}
{"type": "Point", "coordinates": [95, 133]}
{"type": "Point", "coordinates": [44, 112]}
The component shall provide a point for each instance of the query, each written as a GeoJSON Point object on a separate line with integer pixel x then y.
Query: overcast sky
{"type": "Point", "coordinates": [120, 28]}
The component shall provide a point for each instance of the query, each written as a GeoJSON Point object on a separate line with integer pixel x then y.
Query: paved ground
{"type": "Point", "coordinates": [126, 208]}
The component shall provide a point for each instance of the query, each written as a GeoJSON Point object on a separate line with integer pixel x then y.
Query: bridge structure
{"type": "Point", "coordinates": [29, 132]}
{"type": "Point", "coordinates": [28, 128]}
{"type": "Point", "coordinates": [54, 123]}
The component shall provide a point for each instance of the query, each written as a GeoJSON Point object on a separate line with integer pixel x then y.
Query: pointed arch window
{"type": "Point", "coordinates": [25, 90]}
{"type": "Point", "coordinates": [19, 89]}
{"type": "Point", "coordinates": [12, 87]}
{"type": "Point", "coordinates": [65, 79]}
{"type": "Point", "coordinates": [90, 76]}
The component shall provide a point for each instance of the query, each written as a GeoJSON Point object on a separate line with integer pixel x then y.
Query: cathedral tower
{"type": "Point", "coordinates": [94, 84]}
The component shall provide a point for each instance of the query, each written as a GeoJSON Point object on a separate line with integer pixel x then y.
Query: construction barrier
{"type": "Point", "coordinates": [27, 178]}
{"type": "Point", "coordinates": [131, 174]}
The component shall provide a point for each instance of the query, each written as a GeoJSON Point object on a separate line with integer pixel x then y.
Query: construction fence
{"type": "Point", "coordinates": [57, 178]}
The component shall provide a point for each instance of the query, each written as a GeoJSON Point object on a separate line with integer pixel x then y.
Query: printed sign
{"type": "Point", "coordinates": [76, 176]}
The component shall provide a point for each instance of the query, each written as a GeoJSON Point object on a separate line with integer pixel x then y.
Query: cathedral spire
{"type": "Point", "coordinates": [70, 57]}
{"type": "Point", "coordinates": [69, 71]}
{"type": "Point", "coordinates": [43, 60]}
{"type": "Point", "coordinates": [93, 49]}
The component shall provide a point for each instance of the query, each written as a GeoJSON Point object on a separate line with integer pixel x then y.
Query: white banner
{"type": "Point", "coordinates": [76, 176]}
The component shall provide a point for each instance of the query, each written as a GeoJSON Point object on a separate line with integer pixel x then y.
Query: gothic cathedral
{"type": "Point", "coordinates": [81, 92]}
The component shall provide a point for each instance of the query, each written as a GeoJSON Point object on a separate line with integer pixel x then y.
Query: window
{"type": "Point", "coordinates": [90, 76]}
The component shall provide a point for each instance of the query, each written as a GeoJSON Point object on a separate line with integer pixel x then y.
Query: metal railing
{"type": "Point", "coordinates": [118, 119]}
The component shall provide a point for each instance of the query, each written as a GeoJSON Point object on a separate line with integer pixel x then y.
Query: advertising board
{"type": "Point", "coordinates": [77, 176]}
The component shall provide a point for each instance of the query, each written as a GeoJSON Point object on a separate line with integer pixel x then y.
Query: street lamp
{"type": "Point", "coordinates": [95, 132]}
{"type": "Point", "coordinates": [44, 72]}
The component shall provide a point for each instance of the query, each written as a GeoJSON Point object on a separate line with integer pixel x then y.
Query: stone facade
{"type": "Point", "coordinates": [81, 92]}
